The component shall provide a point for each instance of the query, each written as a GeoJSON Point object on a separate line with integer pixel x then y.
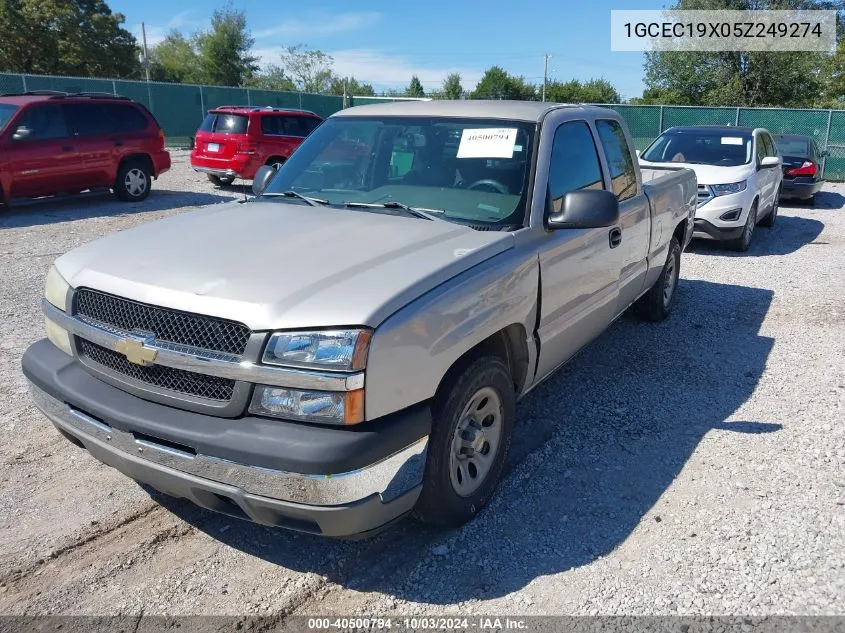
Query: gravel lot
{"type": "Point", "coordinates": [691, 467]}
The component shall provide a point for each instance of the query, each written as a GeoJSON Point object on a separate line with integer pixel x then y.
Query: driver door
{"type": "Point", "coordinates": [579, 268]}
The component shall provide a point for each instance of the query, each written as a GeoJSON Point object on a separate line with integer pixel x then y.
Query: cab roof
{"type": "Point", "coordinates": [532, 111]}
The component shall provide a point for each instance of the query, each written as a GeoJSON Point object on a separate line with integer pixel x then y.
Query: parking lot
{"type": "Point", "coordinates": [691, 467]}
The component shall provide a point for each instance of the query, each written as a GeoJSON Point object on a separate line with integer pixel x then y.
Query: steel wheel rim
{"type": "Point", "coordinates": [135, 182]}
{"type": "Point", "coordinates": [475, 442]}
{"type": "Point", "coordinates": [670, 281]}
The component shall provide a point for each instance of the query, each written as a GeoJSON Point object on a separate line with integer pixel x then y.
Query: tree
{"type": "Point", "coordinates": [310, 69]}
{"type": "Point", "coordinates": [498, 84]}
{"type": "Point", "coordinates": [452, 88]}
{"type": "Point", "coordinates": [271, 78]}
{"type": "Point", "coordinates": [174, 59]}
{"type": "Point", "coordinates": [415, 88]}
{"type": "Point", "coordinates": [353, 87]}
{"type": "Point", "coordinates": [739, 78]}
{"type": "Point", "coordinates": [66, 37]}
{"type": "Point", "coordinates": [224, 51]}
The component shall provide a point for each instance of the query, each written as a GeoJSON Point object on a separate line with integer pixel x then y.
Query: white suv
{"type": "Point", "coordinates": [739, 177]}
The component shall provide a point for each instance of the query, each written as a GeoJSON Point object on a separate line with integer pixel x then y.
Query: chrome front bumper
{"type": "Point", "coordinates": [389, 479]}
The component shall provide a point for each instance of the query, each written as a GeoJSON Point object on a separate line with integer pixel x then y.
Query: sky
{"type": "Point", "coordinates": [385, 42]}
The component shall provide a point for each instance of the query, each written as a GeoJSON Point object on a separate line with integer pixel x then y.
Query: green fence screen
{"type": "Point", "coordinates": [180, 108]}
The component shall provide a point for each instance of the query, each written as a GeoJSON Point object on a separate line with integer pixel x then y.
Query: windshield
{"type": "Point", "coordinates": [793, 146]}
{"type": "Point", "coordinates": [723, 147]}
{"type": "Point", "coordinates": [473, 171]}
{"type": "Point", "coordinates": [6, 112]}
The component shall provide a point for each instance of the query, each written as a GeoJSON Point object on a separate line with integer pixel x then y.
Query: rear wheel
{"type": "Point", "coordinates": [468, 445]}
{"type": "Point", "coordinates": [743, 242]}
{"type": "Point", "coordinates": [656, 304]}
{"type": "Point", "coordinates": [221, 181]}
{"type": "Point", "coordinates": [811, 200]}
{"type": "Point", "coordinates": [133, 181]}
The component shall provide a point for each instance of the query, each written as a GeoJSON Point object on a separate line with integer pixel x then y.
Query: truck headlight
{"type": "Point", "coordinates": [56, 289]}
{"type": "Point", "coordinates": [731, 187]}
{"type": "Point", "coordinates": [343, 350]}
{"type": "Point", "coordinates": [325, 407]}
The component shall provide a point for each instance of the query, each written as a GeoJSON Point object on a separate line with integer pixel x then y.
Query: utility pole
{"type": "Point", "coordinates": [146, 57]}
{"type": "Point", "coordinates": [545, 73]}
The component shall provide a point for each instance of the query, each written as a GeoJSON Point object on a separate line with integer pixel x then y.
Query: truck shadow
{"type": "Point", "coordinates": [95, 204]}
{"type": "Point", "coordinates": [789, 234]}
{"type": "Point", "coordinates": [597, 446]}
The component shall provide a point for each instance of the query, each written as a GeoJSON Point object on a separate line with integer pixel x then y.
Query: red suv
{"type": "Point", "coordinates": [234, 141]}
{"type": "Point", "coordinates": [59, 142]}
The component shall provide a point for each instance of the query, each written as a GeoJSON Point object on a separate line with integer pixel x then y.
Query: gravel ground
{"type": "Point", "coordinates": [691, 467]}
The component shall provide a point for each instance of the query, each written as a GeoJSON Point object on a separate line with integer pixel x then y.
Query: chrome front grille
{"type": "Point", "coordinates": [167, 325]}
{"type": "Point", "coordinates": [170, 378]}
{"type": "Point", "coordinates": [167, 329]}
{"type": "Point", "coordinates": [704, 194]}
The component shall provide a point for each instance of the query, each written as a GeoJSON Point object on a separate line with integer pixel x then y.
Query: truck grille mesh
{"type": "Point", "coordinates": [173, 326]}
{"type": "Point", "coordinates": [187, 382]}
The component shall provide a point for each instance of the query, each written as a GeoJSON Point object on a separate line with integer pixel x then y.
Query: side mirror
{"type": "Point", "coordinates": [585, 209]}
{"type": "Point", "coordinates": [262, 178]}
{"type": "Point", "coordinates": [21, 133]}
{"type": "Point", "coordinates": [770, 161]}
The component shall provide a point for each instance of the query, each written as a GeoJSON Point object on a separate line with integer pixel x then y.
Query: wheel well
{"type": "Point", "coordinates": [509, 344]}
{"type": "Point", "coordinates": [680, 232]}
{"type": "Point", "coordinates": [144, 159]}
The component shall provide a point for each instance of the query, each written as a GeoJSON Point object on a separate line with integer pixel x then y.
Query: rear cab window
{"type": "Point", "coordinates": [225, 123]}
{"type": "Point", "coordinates": [623, 176]}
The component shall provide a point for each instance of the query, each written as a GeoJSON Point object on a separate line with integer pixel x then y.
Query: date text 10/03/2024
{"type": "Point", "coordinates": [418, 623]}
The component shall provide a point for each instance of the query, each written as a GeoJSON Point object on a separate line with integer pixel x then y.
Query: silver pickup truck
{"type": "Point", "coordinates": [348, 346]}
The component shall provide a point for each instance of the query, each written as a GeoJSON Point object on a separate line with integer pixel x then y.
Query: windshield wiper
{"type": "Point", "coordinates": [293, 194]}
{"type": "Point", "coordinates": [417, 212]}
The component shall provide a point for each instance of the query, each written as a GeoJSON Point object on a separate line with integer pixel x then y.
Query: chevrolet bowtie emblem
{"type": "Point", "coordinates": [135, 350]}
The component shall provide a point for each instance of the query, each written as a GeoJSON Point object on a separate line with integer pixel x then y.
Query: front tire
{"type": "Point", "coordinates": [656, 304]}
{"type": "Point", "coordinates": [743, 243]}
{"type": "Point", "coordinates": [771, 216]}
{"type": "Point", "coordinates": [133, 182]}
{"type": "Point", "coordinates": [468, 445]}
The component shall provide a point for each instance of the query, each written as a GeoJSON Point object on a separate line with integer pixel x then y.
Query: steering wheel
{"type": "Point", "coordinates": [493, 185]}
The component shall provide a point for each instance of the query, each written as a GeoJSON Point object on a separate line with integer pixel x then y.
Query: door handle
{"type": "Point", "coordinates": [67, 148]}
{"type": "Point", "coordinates": [615, 237]}
{"type": "Point", "coordinates": [118, 143]}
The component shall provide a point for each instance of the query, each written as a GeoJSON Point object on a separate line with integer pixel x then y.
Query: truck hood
{"type": "Point", "coordinates": [277, 265]}
{"type": "Point", "coordinates": [709, 174]}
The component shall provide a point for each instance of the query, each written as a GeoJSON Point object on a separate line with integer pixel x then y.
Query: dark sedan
{"type": "Point", "coordinates": [802, 167]}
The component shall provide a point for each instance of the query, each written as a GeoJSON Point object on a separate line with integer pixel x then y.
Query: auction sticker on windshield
{"type": "Point", "coordinates": [494, 142]}
{"type": "Point", "coordinates": [731, 140]}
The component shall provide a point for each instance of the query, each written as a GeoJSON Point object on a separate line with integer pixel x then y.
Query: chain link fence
{"type": "Point", "coordinates": [180, 109]}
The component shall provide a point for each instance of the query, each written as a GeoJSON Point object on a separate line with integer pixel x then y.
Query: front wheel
{"type": "Point", "coordinates": [656, 304]}
{"type": "Point", "coordinates": [468, 445]}
{"type": "Point", "coordinates": [133, 182]}
{"type": "Point", "coordinates": [743, 242]}
{"type": "Point", "coordinates": [771, 216]}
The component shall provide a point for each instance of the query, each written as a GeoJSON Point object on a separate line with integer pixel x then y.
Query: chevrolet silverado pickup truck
{"type": "Point", "coordinates": [347, 347]}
